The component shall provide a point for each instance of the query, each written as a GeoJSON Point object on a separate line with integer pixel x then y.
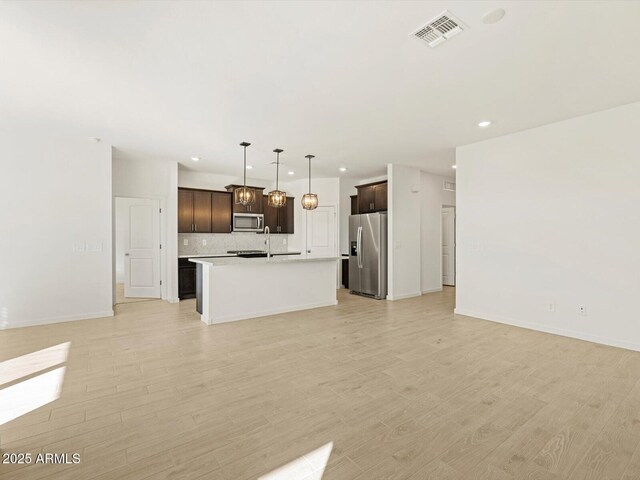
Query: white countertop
{"type": "Point", "coordinates": [200, 255]}
{"type": "Point", "coordinates": [258, 260]}
{"type": "Point", "coordinates": [228, 255]}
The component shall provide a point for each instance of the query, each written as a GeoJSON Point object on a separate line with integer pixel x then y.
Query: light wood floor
{"type": "Point", "coordinates": [404, 390]}
{"type": "Point", "coordinates": [120, 298]}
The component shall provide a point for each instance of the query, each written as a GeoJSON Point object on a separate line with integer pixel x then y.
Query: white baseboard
{"type": "Point", "coordinates": [173, 300]}
{"type": "Point", "coordinates": [546, 329]}
{"type": "Point", "coordinates": [61, 319]}
{"type": "Point", "coordinates": [432, 290]}
{"type": "Point", "coordinates": [265, 313]}
{"type": "Point", "coordinates": [403, 296]}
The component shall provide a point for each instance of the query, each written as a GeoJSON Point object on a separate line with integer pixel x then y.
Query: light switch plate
{"type": "Point", "coordinates": [78, 247]}
{"type": "Point", "coordinates": [185, 242]}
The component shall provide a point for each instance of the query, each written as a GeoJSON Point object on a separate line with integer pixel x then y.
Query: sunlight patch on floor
{"type": "Point", "coordinates": [31, 363]}
{"type": "Point", "coordinates": [307, 467]}
{"type": "Point", "coordinates": [26, 396]}
{"type": "Point", "coordinates": [31, 391]}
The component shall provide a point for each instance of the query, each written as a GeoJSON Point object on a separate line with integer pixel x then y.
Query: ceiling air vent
{"type": "Point", "coordinates": [439, 29]}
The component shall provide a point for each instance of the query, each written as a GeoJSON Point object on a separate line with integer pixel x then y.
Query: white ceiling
{"type": "Point", "coordinates": [341, 80]}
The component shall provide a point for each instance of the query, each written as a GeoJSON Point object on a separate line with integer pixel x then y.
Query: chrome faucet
{"type": "Point", "coordinates": [267, 241]}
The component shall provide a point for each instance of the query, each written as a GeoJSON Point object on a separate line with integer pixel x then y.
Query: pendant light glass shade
{"type": "Point", "coordinates": [244, 195]}
{"type": "Point", "coordinates": [277, 198]}
{"type": "Point", "coordinates": [309, 200]}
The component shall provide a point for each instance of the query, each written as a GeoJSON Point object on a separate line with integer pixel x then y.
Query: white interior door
{"type": "Point", "coordinates": [321, 232]}
{"type": "Point", "coordinates": [449, 246]}
{"type": "Point", "coordinates": [142, 249]}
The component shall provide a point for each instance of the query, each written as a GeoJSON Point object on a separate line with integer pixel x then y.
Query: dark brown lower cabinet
{"type": "Point", "coordinates": [186, 279]}
{"type": "Point", "coordinates": [345, 271]}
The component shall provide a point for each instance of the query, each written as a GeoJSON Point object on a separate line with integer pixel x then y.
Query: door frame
{"type": "Point", "coordinates": [162, 201]}
{"type": "Point", "coordinates": [455, 243]}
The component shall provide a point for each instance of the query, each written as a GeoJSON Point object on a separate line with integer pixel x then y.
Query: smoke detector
{"type": "Point", "coordinates": [437, 30]}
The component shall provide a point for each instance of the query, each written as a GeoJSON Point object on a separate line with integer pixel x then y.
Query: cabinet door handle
{"type": "Point", "coordinates": [195, 228]}
{"type": "Point", "coordinates": [229, 227]}
{"type": "Point", "coordinates": [192, 227]}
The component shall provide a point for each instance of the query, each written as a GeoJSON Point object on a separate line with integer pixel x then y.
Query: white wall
{"type": "Point", "coordinates": [55, 213]}
{"type": "Point", "coordinates": [212, 181]}
{"type": "Point", "coordinates": [158, 180]}
{"type": "Point", "coordinates": [328, 191]}
{"type": "Point", "coordinates": [432, 197]}
{"type": "Point", "coordinates": [404, 244]}
{"type": "Point", "coordinates": [550, 215]}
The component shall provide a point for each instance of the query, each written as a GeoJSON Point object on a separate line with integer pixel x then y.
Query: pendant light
{"type": "Point", "coordinates": [309, 200]}
{"type": "Point", "coordinates": [277, 198]}
{"type": "Point", "coordinates": [244, 195]}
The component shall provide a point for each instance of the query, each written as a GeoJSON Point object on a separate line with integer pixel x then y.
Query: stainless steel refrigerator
{"type": "Point", "coordinates": [368, 254]}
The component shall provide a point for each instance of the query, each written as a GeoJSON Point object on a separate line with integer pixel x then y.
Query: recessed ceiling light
{"type": "Point", "coordinates": [454, 166]}
{"type": "Point", "coordinates": [290, 172]}
{"type": "Point", "coordinates": [195, 159]}
{"type": "Point", "coordinates": [343, 169]}
{"type": "Point", "coordinates": [484, 123]}
{"type": "Point", "coordinates": [494, 16]}
{"type": "Point", "coordinates": [249, 167]}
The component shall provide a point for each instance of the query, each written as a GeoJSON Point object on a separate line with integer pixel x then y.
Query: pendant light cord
{"type": "Point", "coordinates": [277, 168]}
{"type": "Point", "coordinates": [245, 170]}
{"type": "Point", "coordinates": [309, 174]}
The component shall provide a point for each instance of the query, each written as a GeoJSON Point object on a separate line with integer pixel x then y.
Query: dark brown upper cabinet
{"type": "Point", "coordinates": [354, 204]}
{"type": "Point", "coordinates": [256, 207]}
{"type": "Point", "coordinates": [279, 220]}
{"type": "Point", "coordinates": [380, 197]}
{"type": "Point", "coordinates": [185, 211]}
{"type": "Point", "coordinates": [221, 208]}
{"type": "Point", "coordinates": [372, 197]}
{"type": "Point", "coordinates": [203, 211]}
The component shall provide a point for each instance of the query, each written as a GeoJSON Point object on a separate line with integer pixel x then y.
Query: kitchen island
{"type": "Point", "coordinates": [236, 288]}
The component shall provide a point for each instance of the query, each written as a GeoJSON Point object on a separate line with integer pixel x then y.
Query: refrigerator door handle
{"type": "Point", "coordinates": [359, 247]}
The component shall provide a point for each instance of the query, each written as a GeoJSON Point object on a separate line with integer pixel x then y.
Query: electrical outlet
{"type": "Point", "coordinates": [582, 310]}
{"type": "Point", "coordinates": [185, 242]}
{"type": "Point", "coordinates": [551, 307]}
{"type": "Point", "coordinates": [204, 241]}
{"type": "Point", "coordinates": [284, 241]}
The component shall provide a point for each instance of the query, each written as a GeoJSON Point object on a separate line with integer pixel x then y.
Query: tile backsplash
{"type": "Point", "coordinates": [202, 243]}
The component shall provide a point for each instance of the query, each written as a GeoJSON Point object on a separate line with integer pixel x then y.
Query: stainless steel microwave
{"type": "Point", "coordinates": [248, 222]}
